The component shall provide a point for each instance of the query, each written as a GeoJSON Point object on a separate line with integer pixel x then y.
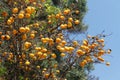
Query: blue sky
{"type": "Point", "coordinates": [105, 15]}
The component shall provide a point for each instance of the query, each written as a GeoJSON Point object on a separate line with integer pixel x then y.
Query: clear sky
{"type": "Point", "coordinates": [105, 15]}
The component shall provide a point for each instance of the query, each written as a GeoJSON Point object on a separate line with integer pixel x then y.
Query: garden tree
{"type": "Point", "coordinates": [34, 45]}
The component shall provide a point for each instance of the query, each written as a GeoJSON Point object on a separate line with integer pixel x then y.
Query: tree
{"type": "Point", "coordinates": [34, 44]}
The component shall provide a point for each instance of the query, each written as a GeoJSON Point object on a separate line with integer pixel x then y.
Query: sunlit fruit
{"type": "Point", "coordinates": [27, 45]}
{"type": "Point", "coordinates": [14, 32]}
{"type": "Point", "coordinates": [75, 43]}
{"type": "Point", "coordinates": [24, 37]}
{"type": "Point", "coordinates": [70, 19]}
{"type": "Point", "coordinates": [58, 40]}
{"type": "Point", "coordinates": [47, 75]}
{"type": "Point", "coordinates": [28, 10]}
{"type": "Point", "coordinates": [80, 52]}
{"type": "Point", "coordinates": [27, 15]}
{"type": "Point", "coordinates": [38, 67]}
{"type": "Point", "coordinates": [27, 63]}
{"type": "Point", "coordinates": [66, 11]}
{"type": "Point", "coordinates": [22, 29]}
{"type": "Point", "coordinates": [32, 36]}
{"type": "Point", "coordinates": [53, 55]}
{"type": "Point", "coordinates": [85, 42]}
{"type": "Point", "coordinates": [2, 37]}
{"type": "Point", "coordinates": [100, 59]}
{"type": "Point", "coordinates": [9, 22]}
{"type": "Point", "coordinates": [69, 25]}
{"type": "Point", "coordinates": [57, 15]}
{"type": "Point", "coordinates": [62, 17]}
{"type": "Point", "coordinates": [20, 15]}
{"type": "Point", "coordinates": [15, 10]}
{"type": "Point", "coordinates": [77, 11]}
{"type": "Point", "coordinates": [77, 22]}
{"type": "Point", "coordinates": [7, 37]}
{"type": "Point", "coordinates": [62, 54]}
{"type": "Point", "coordinates": [63, 26]}
{"type": "Point", "coordinates": [31, 55]}
{"type": "Point", "coordinates": [57, 71]}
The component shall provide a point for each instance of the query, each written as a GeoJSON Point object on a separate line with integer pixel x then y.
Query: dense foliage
{"type": "Point", "coordinates": [34, 44]}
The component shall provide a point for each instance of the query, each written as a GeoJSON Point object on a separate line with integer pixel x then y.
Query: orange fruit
{"type": "Point", "coordinates": [27, 63]}
{"type": "Point", "coordinates": [20, 15]}
{"type": "Point", "coordinates": [15, 10]}
{"type": "Point", "coordinates": [27, 15]}
{"type": "Point", "coordinates": [53, 55]}
{"type": "Point", "coordinates": [62, 54]}
{"type": "Point", "coordinates": [77, 22]}
{"type": "Point", "coordinates": [9, 21]}
{"type": "Point", "coordinates": [77, 11]}
{"type": "Point", "coordinates": [22, 29]}
{"type": "Point", "coordinates": [28, 10]}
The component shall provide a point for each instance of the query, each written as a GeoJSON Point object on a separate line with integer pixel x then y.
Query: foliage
{"type": "Point", "coordinates": [33, 45]}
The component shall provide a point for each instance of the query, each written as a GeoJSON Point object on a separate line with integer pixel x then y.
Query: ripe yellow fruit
{"type": "Point", "coordinates": [77, 11]}
{"type": "Point", "coordinates": [20, 15]}
{"type": "Point", "coordinates": [12, 19]}
{"type": "Point", "coordinates": [9, 22]}
{"type": "Point", "coordinates": [38, 48]}
{"type": "Point", "coordinates": [32, 9]}
{"type": "Point", "coordinates": [62, 54]}
{"type": "Point", "coordinates": [31, 55]}
{"type": "Point", "coordinates": [38, 67]}
{"type": "Point", "coordinates": [24, 37]}
{"type": "Point", "coordinates": [39, 54]}
{"type": "Point", "coordinates": [70, 19]}
{"type": "Point", "coordinates": [43, 50]}
{"type": "Point", "coordinates": [77, 22]}
{"type": "Point", "coordinates": [85, 42]}
{"type": "Point", "coordinates": [44, 56]}
{"type": "Point", "coordinates": [101, 40]}
{"type": "Point", "coordinates": [28, 10]}
{"type": "Point", "coordinates": [57, 71]}
{"type": "Point", "coordinates": [27, 63]}
{"type": "Point", "coordinates": [100, 59]}
{"type": "Point", "coordinates": [75, 43]}
{"type": "Point", "coordinates": [22, 29]}
{"type": "Point", "coordinates": [67, 11]}
{"type": "Point", "coordinates": [36, 25]}
{"type": "Point", "coordinates": [15, 10]}
{"type": "Point", "coordinates": [80, 52]}
{"type": "Point", "coordinates": [27, 15]}
{"type": "Point", "coordinates": [32, 36]}
{"type": "Point", "coordinates": [57, 16]}
{"type": "Point", "coordinates": [58, 40]}
{"type": "Point", "coordinates": [71, 48]}
{"type": "Point", "coordinates": [62, 17]}
{"type": "Point", "coordinates": [63, 26]}
{"type": "Point", "coordinates": [47, 75]}
{"type": "Point", "coordinates": [64, 42]}
{"type": "Point", "coordinates": [69, 25]}
{"type": "Point", "coordinates": [27, 45]}
{"type": "Point", "coordinates": [101, 52]}
{"type": "Point", "coordinates": [14, 32]}
{"type": "Point", "coordinates": [7, 37]}
{"type": "Point", "coordinates": [53, 55]}
{"type": "Point", "coordinates": [27, 29]}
